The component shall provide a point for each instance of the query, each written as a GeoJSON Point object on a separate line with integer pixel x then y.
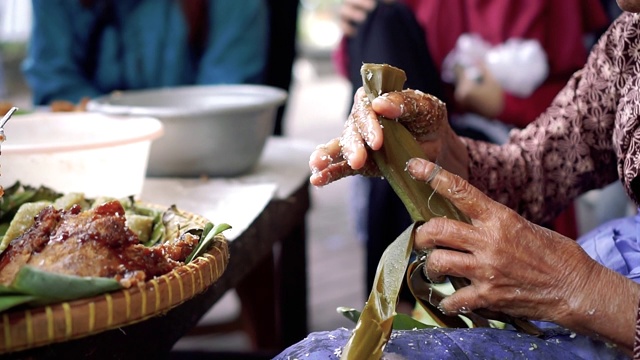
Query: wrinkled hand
{"type": "Point", "coordinates": [478, 91]}
{"type": "Point", "coordinates": [519, 268]}
{"type": "Point", "coordinates": [424, 115]}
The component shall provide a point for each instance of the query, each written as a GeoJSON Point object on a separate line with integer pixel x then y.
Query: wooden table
{"type": "Point", "coordinates": [267, 267]}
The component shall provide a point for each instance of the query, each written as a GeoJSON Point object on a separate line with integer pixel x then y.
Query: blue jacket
{"type": "Point", "coordinates": [75, 51]}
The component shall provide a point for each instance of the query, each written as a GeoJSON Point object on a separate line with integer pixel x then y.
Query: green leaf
{"type": "Point", "coordinates": [400, 321]}
{"type": "Point", "coordinates": [13, 300]}
{"type": "Point", "coordinates": [208, 234]}
{"type": "Point", "coordinates": [376, 321]}
{"type": "Point", "coordinates": [50, 286]}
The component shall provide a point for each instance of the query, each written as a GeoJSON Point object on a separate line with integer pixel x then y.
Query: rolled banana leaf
{"type": "Point", "coordinates": [422, 203]}
{"type": "Point", "coordinates": [400, 321]}
{"type": "Point", "coordinates": [376, 320]}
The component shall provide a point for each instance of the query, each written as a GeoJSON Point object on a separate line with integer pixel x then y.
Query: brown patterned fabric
{"type": "Point", "coordinates": [588, 138]}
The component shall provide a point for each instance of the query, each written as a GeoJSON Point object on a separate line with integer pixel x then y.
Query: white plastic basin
{"type": "Point", "coordinates": [78, 152]}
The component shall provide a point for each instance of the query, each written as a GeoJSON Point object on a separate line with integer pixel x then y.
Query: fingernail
{"type": "Point", "coordinates": [383, 98]}
{"type": "Point", "coordinates": [415, 166]}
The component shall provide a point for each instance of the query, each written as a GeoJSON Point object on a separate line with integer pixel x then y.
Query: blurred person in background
{"type": "Point", "coordinates": [87, 48]}
{"type": "Point", "coordinates": [437, 44]}
{"type": "Point", "coordinates": [282, 50]}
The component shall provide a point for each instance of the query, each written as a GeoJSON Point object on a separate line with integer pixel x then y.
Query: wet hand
{"type": "Point", "coordinates": [424, 115]}
{"type": "Point", "coordinates": [514, 266]}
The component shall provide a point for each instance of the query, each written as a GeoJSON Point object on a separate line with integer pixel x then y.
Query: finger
{"type": "Point", "coordinates": [332, 173]}
{"type": "Point", "coordinates": [325, 155]}
{"type": "Point", "coordinates": [463, 195]}
{"type": "Point", "coordinates": [423, 114]}
{"type": "Point", "coordinates": [323, 161]}
{"type": "Point", "coordinates": [366, 120]}
{"type": "Point", "coordinates": [353, 146]}
{"type": "Point", "coordinates": [462, 301]}
{"type": "Point", "coordinates": [449, 233]}
{"type": "Point", "coordinates": [445, 262]}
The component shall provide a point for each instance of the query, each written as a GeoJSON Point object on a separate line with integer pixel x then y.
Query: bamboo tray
{"type": "Point", "coordinates": [33, 327]}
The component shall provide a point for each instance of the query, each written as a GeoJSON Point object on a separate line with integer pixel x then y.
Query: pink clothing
{"type": "Point", "coordinates": [559, 26]}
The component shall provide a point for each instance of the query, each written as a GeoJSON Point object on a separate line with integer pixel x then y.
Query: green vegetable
{"type": "Point", "coordinates": [66, 201]}
{"type": "Point", "coordinates": [208, 235]}
{"type": "Point", "coordinates": [22, 221]}
{"type": "Point", "coordinates": [141, 225]}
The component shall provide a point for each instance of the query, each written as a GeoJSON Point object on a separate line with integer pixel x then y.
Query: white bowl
{"type": "Point", "coordinates": [212, 130]}
{"type": "Point", "coordinates": [78, 152]}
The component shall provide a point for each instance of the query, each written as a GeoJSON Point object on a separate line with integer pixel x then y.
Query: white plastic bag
{"type": "Point", "coordinates": [519, 65]}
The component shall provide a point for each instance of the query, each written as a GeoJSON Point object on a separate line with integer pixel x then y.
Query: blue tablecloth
{"type": "Point", "coordinates": [614, 244]}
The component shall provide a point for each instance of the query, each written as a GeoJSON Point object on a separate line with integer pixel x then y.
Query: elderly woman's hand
{"type": "Point", "coordinates": [519, 268]}
{"type": "Point", "coordinates": [424, 115]}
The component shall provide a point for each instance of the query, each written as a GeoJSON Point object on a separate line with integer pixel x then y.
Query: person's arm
{"type": "Point", "coordinates": [568, 149]}
{"type": "Point", "coordinates": [520, 268]}
{"type": "Point", "coordinates": [236, 49]}
{"type": "Point", "coordinates": [52, 65]}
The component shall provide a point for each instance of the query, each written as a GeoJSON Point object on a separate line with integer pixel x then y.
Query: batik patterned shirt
{"type": "Point", "coordinates": [588, 137]}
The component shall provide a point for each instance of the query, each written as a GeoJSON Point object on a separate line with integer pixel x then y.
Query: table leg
{"type": "Point", "coordinates": [258, 305]}
{"type": "Point", "coordinates": [291, 271]}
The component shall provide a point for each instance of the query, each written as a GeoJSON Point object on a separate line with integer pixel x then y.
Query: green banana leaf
{"type": "Point", "coordinates": [208, 235]}
{"type": "Point", "coordinates": [376, 320]}
{"type": "Point", "coordinates": [31, 281]}
{"type": "Point", "coordinates": [35, 287]}
{"type": "Point", "coordinates": [8, 301]}
{"type": "Point", "coordinates": [400, 321]}
{"type": "Point", "coordinates": [421, 201]}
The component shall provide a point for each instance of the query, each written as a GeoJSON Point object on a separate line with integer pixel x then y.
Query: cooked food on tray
{"type": "Point", "coordinates": [67, 238]}
{"type": "Point", "coordinates": [93, 242]}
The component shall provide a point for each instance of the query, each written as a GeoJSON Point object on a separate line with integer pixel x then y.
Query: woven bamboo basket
{"type": "Point", "coordinates": [29, 328]}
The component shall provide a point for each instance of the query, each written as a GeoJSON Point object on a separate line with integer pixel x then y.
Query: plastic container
{"type": "Point", "coordinates": [96, 154]}
{"type": "Point", "coordinates": [212, 130]}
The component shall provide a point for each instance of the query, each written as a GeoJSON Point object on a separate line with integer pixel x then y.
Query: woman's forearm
{"type": "Point", "coordinates": [604, 306]}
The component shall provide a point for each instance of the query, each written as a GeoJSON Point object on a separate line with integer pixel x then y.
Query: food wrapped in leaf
{"type": "Point", "coordinates": [423, 203]}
